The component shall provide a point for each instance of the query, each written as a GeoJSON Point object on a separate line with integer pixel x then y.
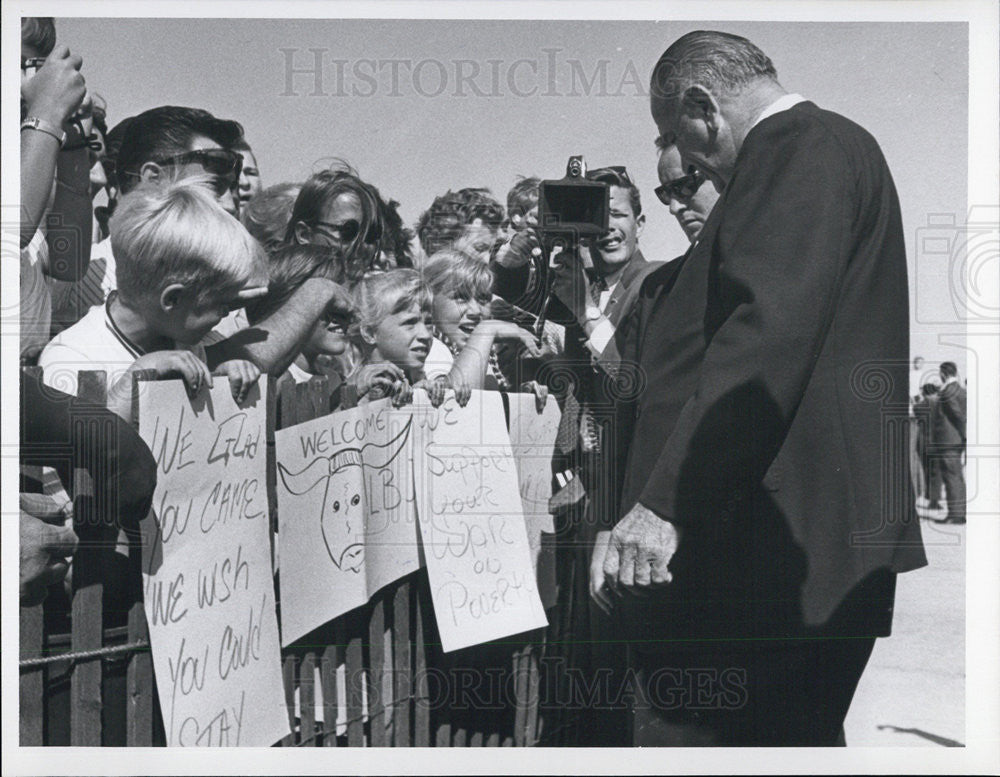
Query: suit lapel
{"type": "Point", "coordinates": [635, 266]}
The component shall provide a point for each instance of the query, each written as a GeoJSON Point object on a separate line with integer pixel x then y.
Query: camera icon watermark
{"type": "Point", "coordinates": [956, 268]}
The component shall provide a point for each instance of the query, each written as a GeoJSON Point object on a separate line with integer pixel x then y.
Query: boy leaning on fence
{"type": "Point", "coordinates": [183, 265]}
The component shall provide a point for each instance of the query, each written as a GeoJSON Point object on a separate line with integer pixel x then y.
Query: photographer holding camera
{"type": "Point", "coordinates": [590, 287]}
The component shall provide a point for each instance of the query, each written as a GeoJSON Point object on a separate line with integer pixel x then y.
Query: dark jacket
{"type": "Point", "coordinates": [948, 418]}
{"type": "Point", "coordinates": [772, 425]}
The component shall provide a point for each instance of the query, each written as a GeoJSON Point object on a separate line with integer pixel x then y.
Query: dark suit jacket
{"type": "Point", "coordinates": [772, 427]}
{"type": "Point", "coordinates": [949, 416]}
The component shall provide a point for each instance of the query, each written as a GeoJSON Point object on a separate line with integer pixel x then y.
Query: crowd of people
{"type": "Point", "coordinates": [937, 439]}
{"type": "Point", "coordinates": [697, 391]}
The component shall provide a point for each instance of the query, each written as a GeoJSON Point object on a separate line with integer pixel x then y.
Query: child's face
{"type": "Point", "coordinates": [329, 336]}
{"type": "Point", "coordinates": [404, 338]}
{"type": "Point", "coordinates": [458, 317]}
{"type": "Point", "coordinates": [194, 316]}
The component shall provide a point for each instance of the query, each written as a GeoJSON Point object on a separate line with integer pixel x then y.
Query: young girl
{"type": "Point", "coordinates": [324, 352]}
{"type": "Point", "coordinates": [462, 287]}
{"type": "Point", "coordinates": [394, 327]}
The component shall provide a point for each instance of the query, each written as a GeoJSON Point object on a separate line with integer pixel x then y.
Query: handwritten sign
{"type": "Point", "coordinates": [346, 512]}
{"type": "Point", "coordinates": [472, 522]}
{"type": "Point", "coordinates": [533, 441]}
{"type": "Point", "coordinates": [209, 591]}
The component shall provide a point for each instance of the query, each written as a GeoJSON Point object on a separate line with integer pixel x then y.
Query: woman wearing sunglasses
{"type": "Point", "coordinates": [336, 208]}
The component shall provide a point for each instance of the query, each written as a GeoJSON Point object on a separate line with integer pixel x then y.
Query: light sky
{"type": "Point", "coordinates": [531, 99]}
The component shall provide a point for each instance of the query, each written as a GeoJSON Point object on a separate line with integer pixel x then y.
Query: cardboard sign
{"type": "Point", "coordinates": [472, 522]}
{"type": "Point", "coordinates": [209, 590]}
{"type": "Point", "coordinates": [533, 441]}
{"type": "Point", "coordinates": [346, 512]}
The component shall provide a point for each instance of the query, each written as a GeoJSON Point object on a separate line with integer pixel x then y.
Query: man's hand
{"type": "Point", "coordinates": [44, 548]}
{"type": "Point", "coordinates": [639, 552]}
{"type": "Point", "coordinates": [242, 374]}
{"type": "Point", "coordinates": [598, 587]}
{"type": "Point", "coordinates": [519, 250]}
{"type": "Point", "coordinates": [58, 89]}
{"type": "Point", "coordinates": [569, 285]}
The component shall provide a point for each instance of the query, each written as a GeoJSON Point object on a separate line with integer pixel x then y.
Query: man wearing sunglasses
{"type": "Point", "coordinates": [181, 142]}
{"type": "Point", "coordinates": [688, 194]}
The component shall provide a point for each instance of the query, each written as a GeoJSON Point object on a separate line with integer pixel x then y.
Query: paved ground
{"type": "Point", "coordinates": [913, 691]}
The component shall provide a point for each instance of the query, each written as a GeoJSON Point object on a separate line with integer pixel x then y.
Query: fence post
{"type": "Point", "coordinates": [32, 679]}
{"type": "Point", "coordinates": [87, 618]}
{"type": "Point", "coordinates": [140, 686]}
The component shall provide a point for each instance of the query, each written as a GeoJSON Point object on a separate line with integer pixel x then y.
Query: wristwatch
{"type": "Point", "coordinates": [41, 125]}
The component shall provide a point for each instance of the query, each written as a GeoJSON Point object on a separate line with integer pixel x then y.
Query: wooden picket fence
{"type": "Point", "coordinates": [86, 675]}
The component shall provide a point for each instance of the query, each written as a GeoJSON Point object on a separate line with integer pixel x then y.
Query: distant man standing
{"type": "Point", "coordinates": [948, 440]}
{"type": "Point", "coordinates": [754, 509]}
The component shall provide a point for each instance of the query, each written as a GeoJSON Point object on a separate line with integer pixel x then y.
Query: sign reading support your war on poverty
{"type": "Point", "coordinates": [209, 589]}
{"type": "Point", "coordinates": [346, 512]}
{"type": "Point", "coordinates": [472, 522]}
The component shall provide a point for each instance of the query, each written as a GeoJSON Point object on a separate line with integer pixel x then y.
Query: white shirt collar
{"type": "Point", "coordinates": [783, 103]}
{"type": "Point", "coordinates": [952, 379]}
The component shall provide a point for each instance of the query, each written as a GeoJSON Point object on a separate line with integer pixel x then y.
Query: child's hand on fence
{"type": "Point", "coordinates": [463, 391]}
{"type": "Point", "coordinates": [243, 375]}
{"type": "Point", "coordinates": [541, 392]}
{"type": "Point", "coordinates": [368, 375]}
{"type": "Point", "coordinates": [175, 364]}
{"type": "Point", "coordinates": [435, 389]}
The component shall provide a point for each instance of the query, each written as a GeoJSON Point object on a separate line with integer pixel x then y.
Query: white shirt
{"type": "Point", "coordinates": [439, 360]}
{"type": "Point", "coordinates": [36, 295]}
{"type": "Point", "coordinates": [93, 343]}
{"type": "Point", "coordinates": [298, 374]}
{"type": "Point", "coordinates": [605, 330]}
{"type": "Point", "coordinates": [783, 103]}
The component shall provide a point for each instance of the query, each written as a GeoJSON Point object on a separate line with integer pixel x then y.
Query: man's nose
{"type": "Point", "coordinates": [423, 332]}
{"type": "Point", "coordinates": [676, 207]}
{"type": "Point", "coordinates": [228, 203]}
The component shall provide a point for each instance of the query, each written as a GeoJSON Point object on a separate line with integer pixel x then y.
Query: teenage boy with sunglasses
{"type": "Point", "coordinates": [174, 143]}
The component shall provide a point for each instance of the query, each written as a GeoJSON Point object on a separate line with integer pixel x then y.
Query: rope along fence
{"type": "Point", "coordinates": [374, 677]}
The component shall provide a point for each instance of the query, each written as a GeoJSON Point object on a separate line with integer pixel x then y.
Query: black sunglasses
{"type": "Point", "coordinates": [222, 164]}
{"type": "Point", "coordinates": [683, 188]}
{"type": "Point", "coordinates": [348, 230]}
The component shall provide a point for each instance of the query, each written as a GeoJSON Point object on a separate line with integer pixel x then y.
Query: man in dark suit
{"type": "Point", "coordinates": [948, 440]}
{"type": "Point", "coordinates": [766, 505]}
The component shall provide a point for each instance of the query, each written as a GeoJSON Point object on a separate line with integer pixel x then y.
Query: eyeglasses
{"type": "Point", "coordinates": [683, 188]}
{"type": "Point", "coordinates": [347, 231]}
{"type": "Point", "coordinates": [222, 164]}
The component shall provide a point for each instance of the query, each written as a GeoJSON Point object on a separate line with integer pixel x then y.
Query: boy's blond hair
{"type": "Point", "coordinates": [176, 232]}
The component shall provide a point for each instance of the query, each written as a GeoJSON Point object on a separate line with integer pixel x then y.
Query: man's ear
{"type": "Point", "coordinates": [171, 296]}
{"type": "Point", "coordinates": [303, 233]}
{"type": "Point", "coordinates": [700, 101]}
{"type": "Point", "coordinates": [640, 222]}
{"type": "Point", "coordinates": [150, 171]}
